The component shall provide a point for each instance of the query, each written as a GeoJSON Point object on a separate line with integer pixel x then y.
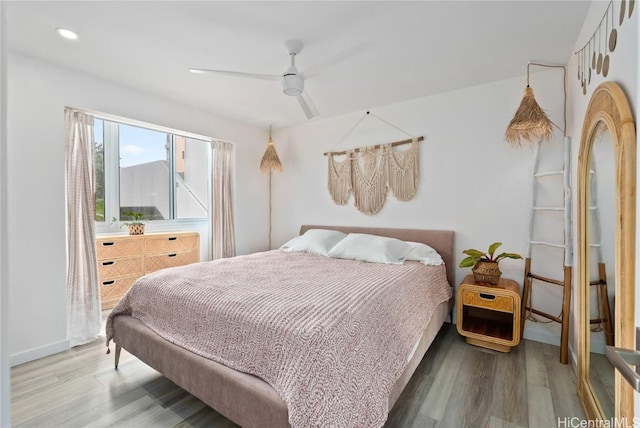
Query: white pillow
{"type": "Point", "coordinates": [424, 254]}
{"type": "Point", "coordinates": [290, 242]}
{"type": "Point", "coordinates": [314, 241]}
{"type": "Point", "coordinates": [371, 248]}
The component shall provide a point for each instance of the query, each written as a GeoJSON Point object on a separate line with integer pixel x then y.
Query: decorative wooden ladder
{"type": "Point", "coordinates": [567, 246]}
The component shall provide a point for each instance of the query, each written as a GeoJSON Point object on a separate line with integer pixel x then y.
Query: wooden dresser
{"type": "Point", "coordinates": [124, 258]}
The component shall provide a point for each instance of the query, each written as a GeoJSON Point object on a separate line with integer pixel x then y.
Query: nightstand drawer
{"type": "Point", "coordinates": [487, 300]}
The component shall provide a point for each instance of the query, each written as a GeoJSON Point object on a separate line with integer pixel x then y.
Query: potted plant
{"type": "Point", "coordinates": [136, 226]}
{"type": "Point", "coordinates": [485, 265]}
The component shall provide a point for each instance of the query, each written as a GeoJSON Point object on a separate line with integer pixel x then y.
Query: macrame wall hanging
{"type": "Point", "coordinates": [369, 172]}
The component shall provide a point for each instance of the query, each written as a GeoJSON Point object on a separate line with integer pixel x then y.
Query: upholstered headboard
{"type": "Point", "coordinates": [440, 240]}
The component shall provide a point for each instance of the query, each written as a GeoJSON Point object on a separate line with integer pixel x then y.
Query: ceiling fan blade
{"type": "Point", "coordinates": [307, 105]}
{"type": "Point", "coordinates": [236, 73]}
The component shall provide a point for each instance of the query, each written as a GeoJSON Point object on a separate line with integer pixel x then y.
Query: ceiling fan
{"type": "Point", "coordinates": [292, 79]}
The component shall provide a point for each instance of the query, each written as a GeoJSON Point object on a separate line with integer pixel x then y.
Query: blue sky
{"type": "Point", "coordinates": [137, 145]}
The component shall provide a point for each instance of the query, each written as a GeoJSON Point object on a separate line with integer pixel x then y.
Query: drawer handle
{"type": "Point", "coordinates": [172, 238]}
{"type": "Point", "coordinates": [109, 263]}
{"type": "Point", "coordinates": [487, 296]}
{"type": "Point", "coordinates": [108, 244]}
{"type": "Point", "coordinates": [108, 282]}
{"type": "Point", "coordinates": [172, 255]}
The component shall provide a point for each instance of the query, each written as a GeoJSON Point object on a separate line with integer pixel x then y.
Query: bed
{"type": "Point", "coordinates": [247, 399]}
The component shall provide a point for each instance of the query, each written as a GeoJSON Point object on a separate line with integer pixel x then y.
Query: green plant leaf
{"type": "Point", "coordinates": [509, 256]}
{"type": "Point", "coordinates": [474, 253]}
{"type": "Point", "coordinates": [468, 262]}
{"type": "Point", "coordinates": [493, 247]}
{"type": "Point", "coordinates": [512, 255]}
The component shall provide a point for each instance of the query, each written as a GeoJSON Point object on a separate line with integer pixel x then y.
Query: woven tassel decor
{"type": "Point", "coordinates": [339, 182]}
{"type": "Point", "coordinates": [370, 184]}
{"type": "Point", "coordinates": [530, 122]}
{"type": "Point", "coordinates": [403, 172]}
{"type": "Point", "coordinates": [368, 172]}
{"type": "Point", "coordinates": [270, 160]}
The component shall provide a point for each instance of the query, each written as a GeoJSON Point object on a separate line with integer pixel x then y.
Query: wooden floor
{"type": "Point", "coordinates": [456, 385]}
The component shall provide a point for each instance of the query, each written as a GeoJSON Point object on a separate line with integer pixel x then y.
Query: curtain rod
{"type": "Point", "coordinates": [147, 125]}
{"type": "Point", "coordinates": [377, 146]}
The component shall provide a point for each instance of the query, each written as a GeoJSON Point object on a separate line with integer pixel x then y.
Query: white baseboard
{"type": "Point", "coordinates": [541, 336]}
{"type": "Point", "coordinates": [43, 351]}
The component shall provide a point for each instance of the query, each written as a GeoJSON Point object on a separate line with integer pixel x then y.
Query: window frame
{"type": "Point", "coordinates": [111, 147]}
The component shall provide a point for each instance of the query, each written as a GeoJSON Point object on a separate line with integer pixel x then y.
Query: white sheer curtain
{"type": "Point", "coordinates": [83, 292]}
{"type": "Point", "coordinates": [222, 230]}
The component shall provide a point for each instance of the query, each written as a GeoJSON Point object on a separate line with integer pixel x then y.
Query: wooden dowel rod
{"type": "Point", "coordinates": [546, 315]}
{"type": "Point", "coordinates": [377, 146]}
{"type": "Point", "coordinates": [545, 279]}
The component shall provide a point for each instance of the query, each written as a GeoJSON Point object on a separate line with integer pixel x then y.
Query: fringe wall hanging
{"type": "Point", "coordinates": [368, 172]}
{"type": "Point", "coordinates": [339, 180]}
{"type": "Point", "coordinates": [403, 172]}
{"type": "Point", "coordinates": [370, 180]}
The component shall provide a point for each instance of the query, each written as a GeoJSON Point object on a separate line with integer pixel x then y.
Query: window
{"type": "Point", "coordinates": [164, 176]}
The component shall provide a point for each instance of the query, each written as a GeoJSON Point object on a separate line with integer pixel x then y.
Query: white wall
{"type": "Point", "coordinates": [624, 71]}
{"type": "Point", "coordinates": [5, 399]}
{"type": "Point", "coordinates": [38, 93]}
{"type": "Point", "coordinates": [471, 180]}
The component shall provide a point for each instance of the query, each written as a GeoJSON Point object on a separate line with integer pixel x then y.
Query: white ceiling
{"type": "Point", "coordinates": [363, 54]}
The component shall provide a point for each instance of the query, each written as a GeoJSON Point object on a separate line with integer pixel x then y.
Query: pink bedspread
{"type": "Point", "coordinates": [330, 336]}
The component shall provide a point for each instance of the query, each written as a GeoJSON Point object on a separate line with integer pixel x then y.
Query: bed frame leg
{"type": "Point", "coordinates": [118, 349]}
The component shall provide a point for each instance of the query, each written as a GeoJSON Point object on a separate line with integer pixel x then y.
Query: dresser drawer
{"type": "Point", "coordinates": [111, 248]}
{"type": "Point", "coordinates": [168, 243]}
{"type": "Point", "coordinates": [162, 261]}
{"type": "Point", "coordinates": [487, 300]}
{"type": "Point", "coordinates": [112, 290]}
{"type": "Point", "coordinates": [108, 269]}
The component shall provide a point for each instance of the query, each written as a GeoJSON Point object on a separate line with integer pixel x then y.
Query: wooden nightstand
{"type": "Point", "coordinates": [489, 315]}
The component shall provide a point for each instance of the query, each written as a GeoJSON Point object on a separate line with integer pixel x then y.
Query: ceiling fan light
{"type": "Point", "coordinates": [292, 84]}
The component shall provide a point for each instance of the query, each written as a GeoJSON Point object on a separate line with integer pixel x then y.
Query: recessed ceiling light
{"type": "Point", "coordinates": [66, 33]}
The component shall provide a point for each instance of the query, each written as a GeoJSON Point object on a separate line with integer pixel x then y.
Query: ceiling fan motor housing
{"type": "Point", "coordinates": [292, 84]}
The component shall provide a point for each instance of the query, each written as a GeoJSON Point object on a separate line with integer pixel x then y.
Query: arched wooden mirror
{"type": "Point", "coordinates": [606, 250]}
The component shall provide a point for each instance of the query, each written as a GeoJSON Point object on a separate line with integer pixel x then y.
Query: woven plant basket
{"type": "Point", "coordinates": [136, 229]}
{"type": "Point", "coordinates": [486, 272]}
